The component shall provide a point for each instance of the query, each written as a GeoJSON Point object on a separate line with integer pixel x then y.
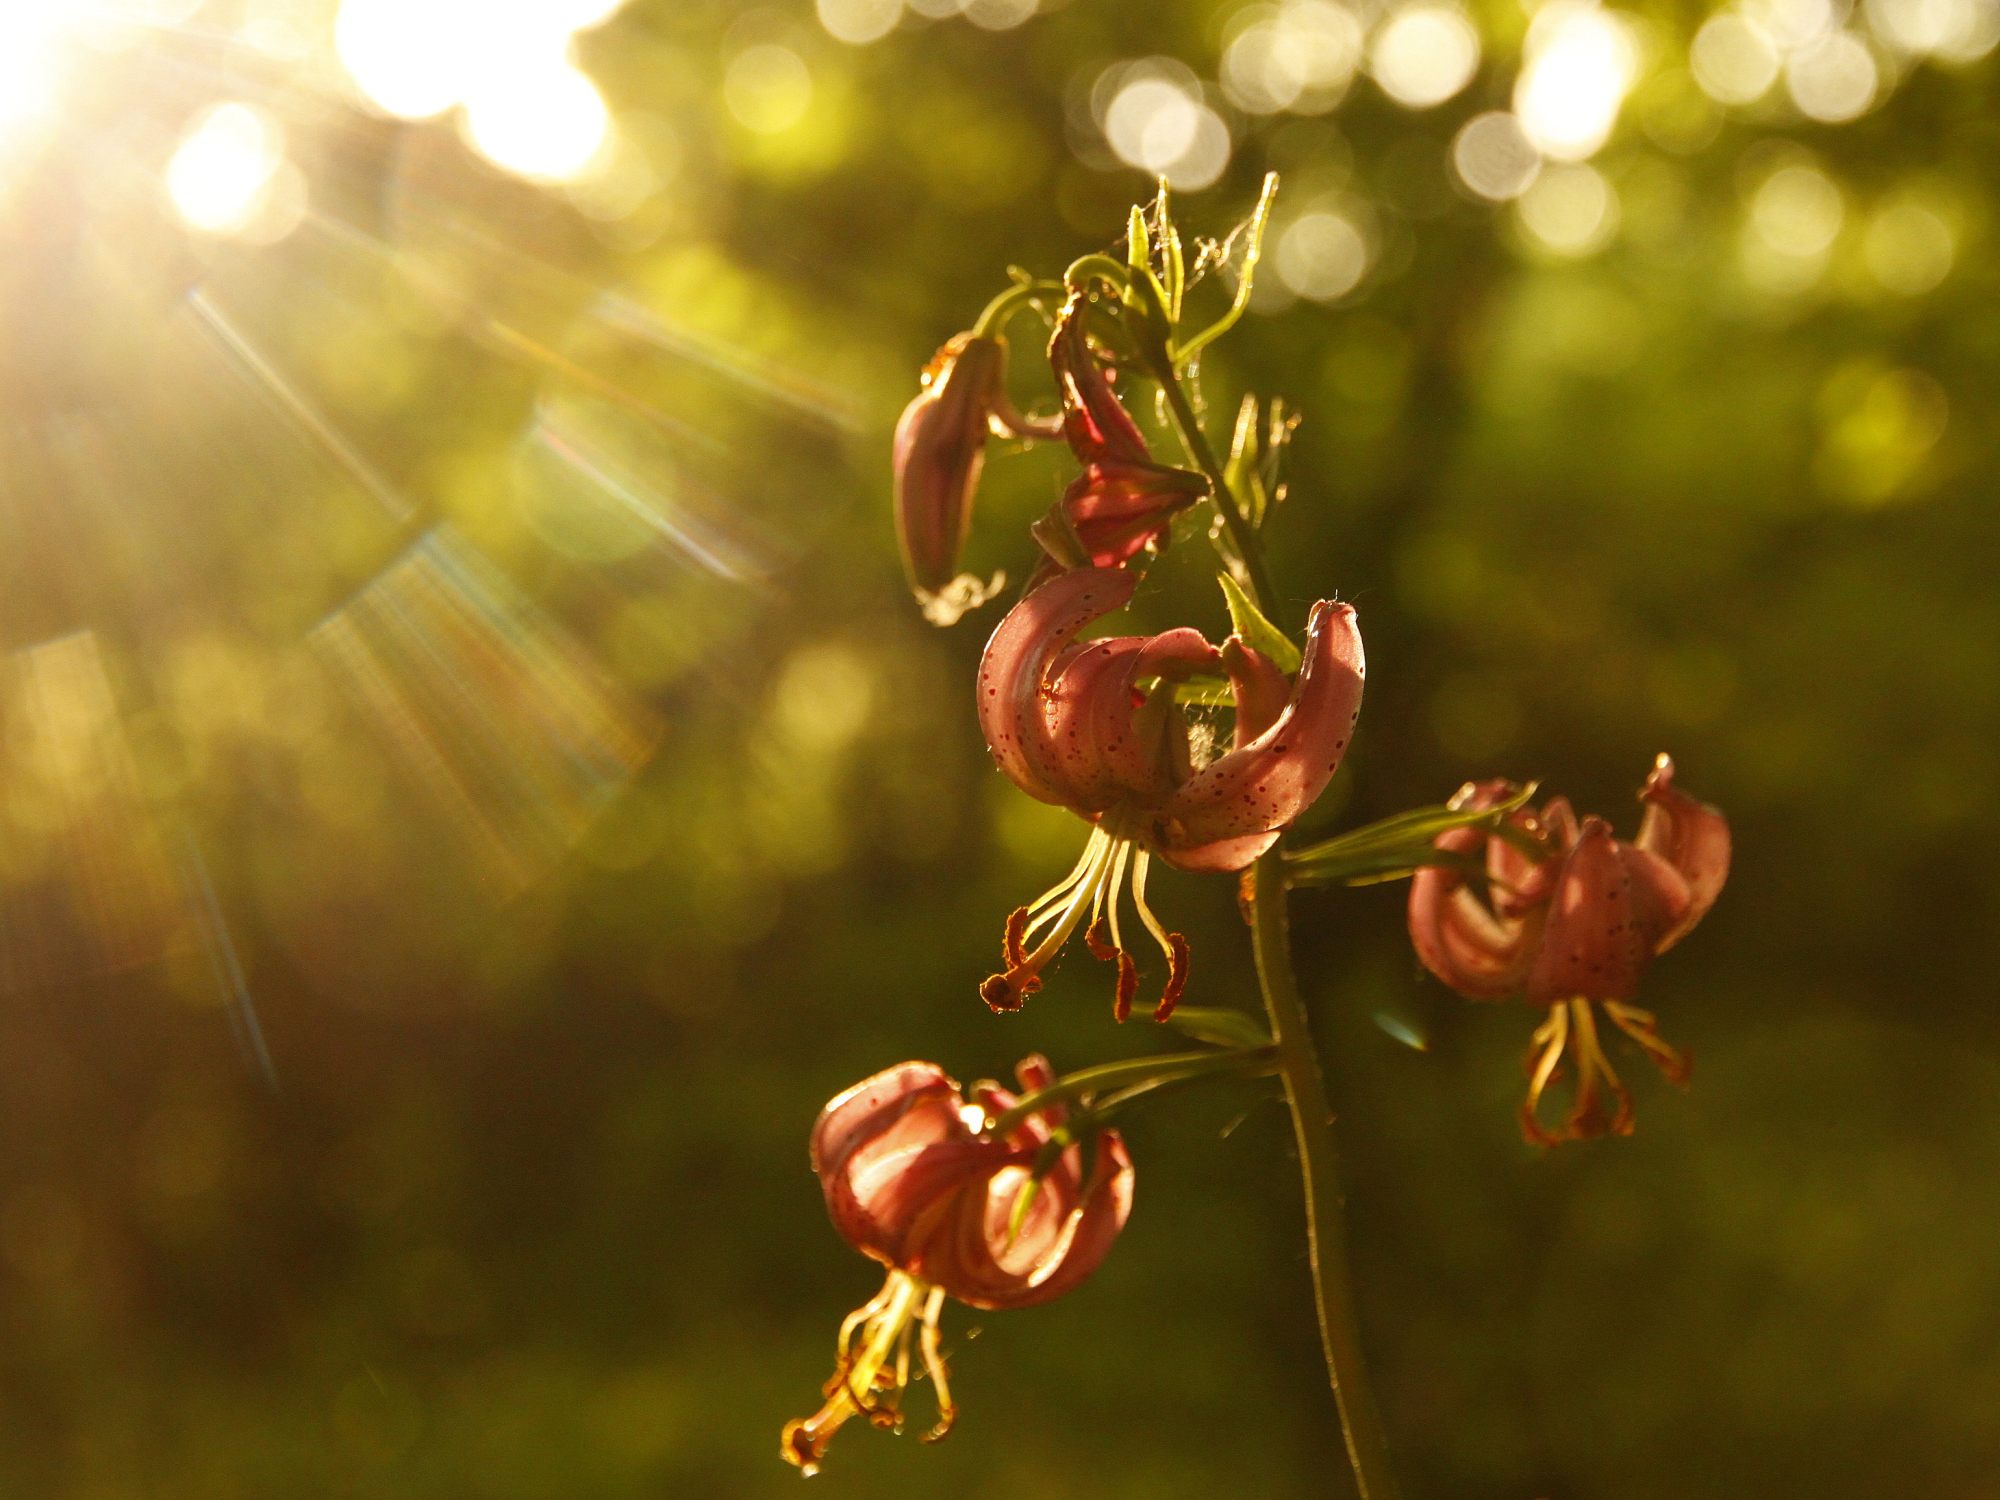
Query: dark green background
{"type": "Point", "coordinates": [527, 1212]}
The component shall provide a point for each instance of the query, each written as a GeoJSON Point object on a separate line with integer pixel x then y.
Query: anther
{"type": "Point", "coordinates": [1178, 960]}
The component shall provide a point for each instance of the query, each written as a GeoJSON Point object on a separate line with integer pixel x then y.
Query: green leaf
{"type": "Point", "coordinates": [1400, 845]}
{"type": "Point", "coordinates": [1056, 535]}
{"type": "Point", "coordinates": [1255, 629]}
{"type": "Point", "coordinates": [1217, 1026]}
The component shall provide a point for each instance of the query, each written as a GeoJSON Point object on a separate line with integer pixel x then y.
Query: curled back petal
{"type": "Point", "coordinates": [1264, 785]}
{"type": "Point", "coordinates": [1013, 673]}
{"type": "Point", "coordinates": [1557, 825]}
{"type": "Point", "coordinates": [1138, 737]}
{"type": "Point", "coordinates": [1482, 955]}
{"type": "Point", "coordinates": [1690, 836]}
{"type": "Point", "coordinates": [891, 1185]}
{"type": "Point", "coordinates": [1103, 1206]}
{"type": "Point", "coordinates": [1219, 856]}
{"type": "Point", "coordinates": [1258, 685]}
{"type": "Point", "coordinates": [887, 1149]}
{"type": "Point", "coordinates": [860, 1113]}
{"type": "Point", "coordinates": [1521, 870]}
{"type": "Point", "coordinates": [1087, 699]}
{"type": "Point", "coordinates": [987, 1256]}
{"type": "Point", "coordinates": [1661, 898]}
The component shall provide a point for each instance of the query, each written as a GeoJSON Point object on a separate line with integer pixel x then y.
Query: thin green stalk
{"type": "Point", "coordinates": [1253, 250]}
{"type": "Point", "coordinates": [1319, 1166]}
{"type": "Point", "coordinates": [1022, 294]}
{"type": "Point", "coordinates": [1202, 453]}
{"type": "Point", "coordinates": [1298, 1060]}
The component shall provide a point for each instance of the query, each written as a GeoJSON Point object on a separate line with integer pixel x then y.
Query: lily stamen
{"type": "Point", "coordinates": [1172, 944]}
{"type": "Point", "coordinates": [1036, 912]}
{"type": "Point", "coordinates": [1674, 1063]}
{"type": "Point", "coordinates": [881, 1329]}
{"type": "Point", "coordinates": [1571, 1029]}
{"type": "Point", "coordinates": [928, 1343]}
{"type": "Point", "coordinates": [1112, 864]}
{"type": "Point", "coordinates": [1080, 894]}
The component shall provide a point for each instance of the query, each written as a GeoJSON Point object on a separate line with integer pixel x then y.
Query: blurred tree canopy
{"type": "Point", "coordinates": [474, 783]}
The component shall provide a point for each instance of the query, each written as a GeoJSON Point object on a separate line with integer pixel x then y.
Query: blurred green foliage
{"type": "Point", "coordinates": [526, 1211]}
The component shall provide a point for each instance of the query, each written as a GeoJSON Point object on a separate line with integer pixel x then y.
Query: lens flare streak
{"type": "Point", "coordinates": [513, 733]}
{"type": "Point", "coordinates": [653, 509]}
{"type": "Point", "coordinates": [278, 392]}
{"type": "Point", "coordinates": [230, 981]}
{"type": "Point", "coordinates": [85, 883]}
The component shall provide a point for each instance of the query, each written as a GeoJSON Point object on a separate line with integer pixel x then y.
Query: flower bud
{"type": "Point", "coordinates": [939, 450]}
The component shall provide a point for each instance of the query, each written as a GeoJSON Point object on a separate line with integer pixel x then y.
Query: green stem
{"type": "Point", "coordinates": [1319, 1165]}
{"type": "Point", "coordinates": [1201, 452]}
{"type": "Point", "coordinates": [1298, 1060]}
{"type": "Point", "coordinates": [1104, 267]}
{"type": "Point", "coordinates": [996, 313]}
{"type": "Point", "coordinates": [1132, 1070]}
{"type": "Point", "coordinates": [1253, 250]}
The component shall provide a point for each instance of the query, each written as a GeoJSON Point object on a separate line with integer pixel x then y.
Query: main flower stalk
{"type": "Point", "coordinates": [1297, 1057]}
{"type": "Point", "coordinates": [1319, 1167]}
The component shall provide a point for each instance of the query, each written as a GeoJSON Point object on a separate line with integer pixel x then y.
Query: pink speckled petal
{"type": "Point", "coordinates": [1259, 686]}
{"type": "Point", "coordinates": [1594, 943]}
{"type": "Point", "coordinates": [1481, 955]}
{"type": "Point", "coordinates": [1263, 786]}
{"type": "Point", "coordinates": [1013, 673]}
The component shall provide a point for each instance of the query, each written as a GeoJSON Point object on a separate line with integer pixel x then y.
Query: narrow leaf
{"type": "Point", "coordinates": [1255, 629]}
{"type": "Point", "coordinates": [1400, 844]}
{"type": "Point", "coordinates": [1218, 1026]}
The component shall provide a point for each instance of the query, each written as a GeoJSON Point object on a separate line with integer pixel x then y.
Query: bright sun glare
{"type": "Point", "coordinates": [31, 60]}
{"type": "Point", "coordinates": [223, 171]}
{"type": "Point", "coordinates": [527, 108]}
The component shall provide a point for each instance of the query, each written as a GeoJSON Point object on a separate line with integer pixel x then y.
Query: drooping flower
{"type": "Point", "coordinates": [1569, 918]}
{"type": "Point", "coordinates": [939, 450]}
{"type": "Point", "coordinates": [1123, 502]}
{"type": "Point", "coordinates": [1096, 728]}
{"type": "Point", "coordinates": [915, 1179]}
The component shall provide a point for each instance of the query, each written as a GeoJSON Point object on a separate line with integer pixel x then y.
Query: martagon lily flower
{"type": "Point", "coordinates": [996, 1221]}
{"type": "Point", "coordinates": [1123, 502]}
{"type": "Point", "coordinates": [1096, 728]}
{"type": "Point", "coordinates": [1570, 919]}
{"type": "Point", "coordinates": [940, 449]}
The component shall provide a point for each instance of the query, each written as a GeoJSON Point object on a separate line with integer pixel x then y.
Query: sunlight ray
{"type": "Point", "coordinates": [515, 736]}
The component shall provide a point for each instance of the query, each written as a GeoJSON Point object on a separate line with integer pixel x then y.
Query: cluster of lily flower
{"type": "Point", "coordinates": [1006, 1201]}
